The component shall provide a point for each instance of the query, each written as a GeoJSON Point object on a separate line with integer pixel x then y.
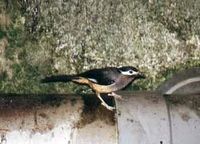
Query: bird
{"type": "Point", "coordinates": [105, 80]}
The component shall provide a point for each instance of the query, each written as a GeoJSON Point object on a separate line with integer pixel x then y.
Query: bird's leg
{"type": "Point", "coordinates": [115, 95]}
{"type": "Point", "coordinates": [104, 103]}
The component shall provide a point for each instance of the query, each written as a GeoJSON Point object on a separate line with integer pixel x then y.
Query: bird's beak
{"type": "Point", "coordinates": [141, 75]}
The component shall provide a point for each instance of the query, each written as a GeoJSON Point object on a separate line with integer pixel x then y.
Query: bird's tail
{"type": "Point", "coordinates": [58, 78]}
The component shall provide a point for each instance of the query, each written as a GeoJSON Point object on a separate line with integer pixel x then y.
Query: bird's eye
{"type": "Point", "coordinates": [130, 71]}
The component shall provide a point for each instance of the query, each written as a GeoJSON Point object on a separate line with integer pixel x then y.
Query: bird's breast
{"type": "Point", "coordinates": [120, 83]}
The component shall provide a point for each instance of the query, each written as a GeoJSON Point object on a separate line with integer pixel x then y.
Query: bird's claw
{"type": "Point", "coordinates": [115, 96]}
{"type": "Point", "coordinates": [108, 107]}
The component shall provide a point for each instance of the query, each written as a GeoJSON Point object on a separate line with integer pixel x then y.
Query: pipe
{"type": "Point", "coordinates": [140, 118]}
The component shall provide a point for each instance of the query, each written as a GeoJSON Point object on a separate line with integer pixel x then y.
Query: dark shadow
{"type": "Point", "coordinates": [11, 104]}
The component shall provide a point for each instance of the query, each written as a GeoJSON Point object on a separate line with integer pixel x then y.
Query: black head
{"type": "Point", "coordinates": [131, 71]}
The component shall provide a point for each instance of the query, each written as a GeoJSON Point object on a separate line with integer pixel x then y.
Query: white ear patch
{"type": "Point", "coordinates": [129, 72]}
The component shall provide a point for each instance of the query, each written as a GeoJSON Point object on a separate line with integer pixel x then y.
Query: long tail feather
{"type": "Point", "coordinates": [58, 78]}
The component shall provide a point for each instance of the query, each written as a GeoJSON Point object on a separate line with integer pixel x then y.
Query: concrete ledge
{"type": "Point", "coordinates": [50, 119]}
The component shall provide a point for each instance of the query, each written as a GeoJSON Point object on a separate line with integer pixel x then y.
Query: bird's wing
{"type": "Point", "coordinates": [104, 76]}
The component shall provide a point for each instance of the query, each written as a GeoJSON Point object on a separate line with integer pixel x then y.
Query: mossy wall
{"type": "Point", "coordinates": [39, 38]}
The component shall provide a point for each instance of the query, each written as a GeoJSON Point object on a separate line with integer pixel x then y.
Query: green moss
{"type": "Point", "coordinates": [16, 37]}
{"type": "Point", "coordinates": [68, 37]}
{"type": "Point", "coordinates": [179, 17]}
{"type": "Point", "coordinates": [2, 33]}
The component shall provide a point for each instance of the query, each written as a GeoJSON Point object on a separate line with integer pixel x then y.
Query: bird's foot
{"type": "Point", "coordinates": [108, 107]}
{"type": "Point", "coordinates": [104, 103]}
{"type": "Point", "coordinates": [115, 95]}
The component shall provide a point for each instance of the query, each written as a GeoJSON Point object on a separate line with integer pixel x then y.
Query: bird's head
{"type": "Point", "coordinates": [131, 71]}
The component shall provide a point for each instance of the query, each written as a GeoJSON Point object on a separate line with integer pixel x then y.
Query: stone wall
{"type": "Point", "coordinates": [53, 37]}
